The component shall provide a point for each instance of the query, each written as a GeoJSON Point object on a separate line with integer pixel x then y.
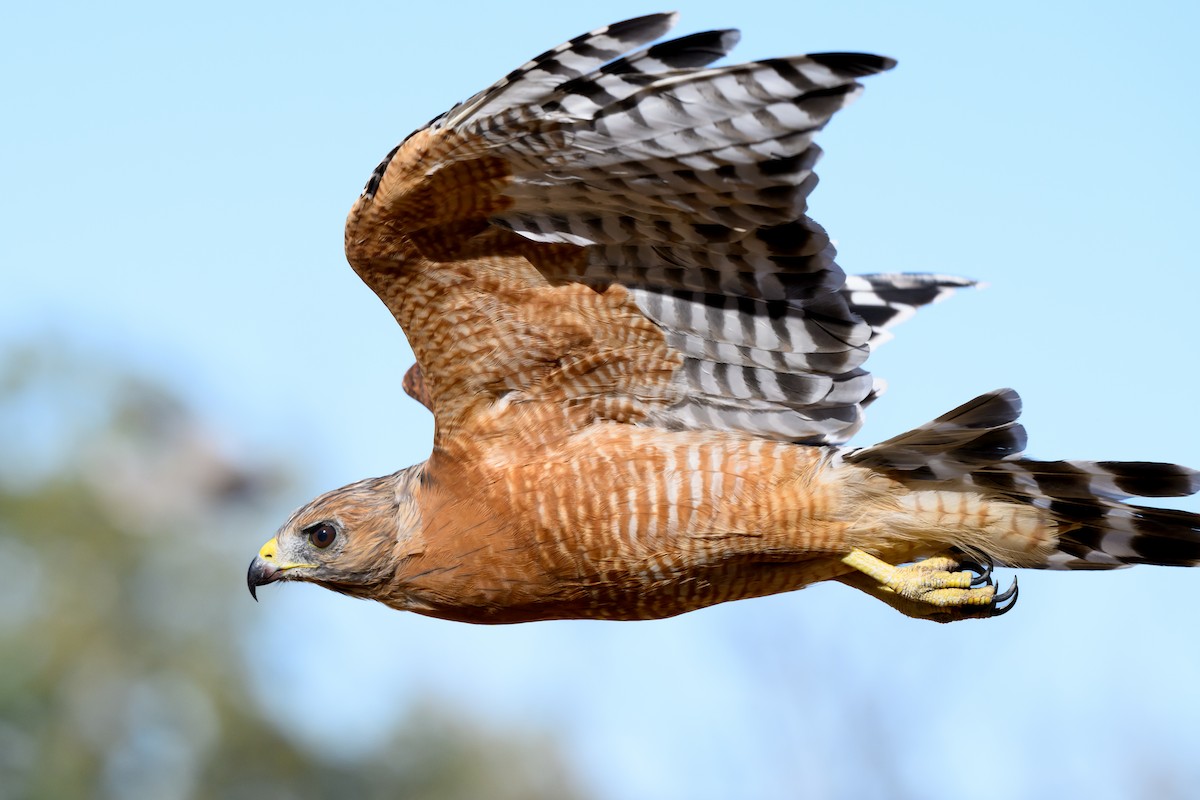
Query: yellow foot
{"type": "Point", "coordinates": [942, 587]}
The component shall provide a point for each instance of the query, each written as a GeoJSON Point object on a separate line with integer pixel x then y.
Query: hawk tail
{"type": "Point", "coordinates": [977, 448]}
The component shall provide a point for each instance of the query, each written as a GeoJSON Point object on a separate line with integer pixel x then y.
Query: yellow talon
{"type": "Point", "coordinates": [951, 598]}
{"type": "Point", "coordinates": [937, 563]}
{"type": "Point", "coordinates": [935, 581]}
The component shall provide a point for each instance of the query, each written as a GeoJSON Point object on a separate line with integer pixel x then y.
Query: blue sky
{"type": "Point", "coordinates": [176, 178]}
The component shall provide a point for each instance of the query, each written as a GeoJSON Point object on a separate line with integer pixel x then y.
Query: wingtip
{"type": "Point", "coordinates": [857, 65]}
{"type": "Point", "coordinates": [653, 24]}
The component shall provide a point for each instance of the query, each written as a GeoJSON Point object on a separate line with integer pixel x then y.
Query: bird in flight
{"type": "Point", "coordinates": [644, 363]}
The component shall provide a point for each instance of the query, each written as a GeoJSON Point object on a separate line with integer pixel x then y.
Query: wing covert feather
{"type": "Point", "coordinates": [625, 237]}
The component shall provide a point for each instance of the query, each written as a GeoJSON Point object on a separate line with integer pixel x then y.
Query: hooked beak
{"type": "Point", "coordinates": [264, 568]}
{"type": "Point", "coordinates": [267, 567]}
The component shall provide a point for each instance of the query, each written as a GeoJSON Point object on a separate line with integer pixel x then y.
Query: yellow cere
{"type": "Point", "coordinates": [269, 549]}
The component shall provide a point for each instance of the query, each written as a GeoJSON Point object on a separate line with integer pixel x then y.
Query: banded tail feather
{"type": "Point", "coordinates": [978, 447]}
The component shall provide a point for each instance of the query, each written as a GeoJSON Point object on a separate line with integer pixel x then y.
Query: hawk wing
{"type": "Point", "coordinates": [625, 236]}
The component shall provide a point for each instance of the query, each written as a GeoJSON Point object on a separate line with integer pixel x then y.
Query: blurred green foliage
{"type": "Point", "coordinates": [120, 674]}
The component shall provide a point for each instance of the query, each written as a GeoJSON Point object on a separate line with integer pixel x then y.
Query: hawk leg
{"type": "Point", "coordinates": [942, 588]}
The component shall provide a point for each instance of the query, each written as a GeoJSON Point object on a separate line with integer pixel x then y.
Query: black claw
{"type": "Point", "coordinates": [984, 577]}
{"type": "Point", "coordinates": [1009, 594]}
{"type": "Point", "coordinates": [1011, 591]}
{"type": "Point", "coordinates": [983, 571]}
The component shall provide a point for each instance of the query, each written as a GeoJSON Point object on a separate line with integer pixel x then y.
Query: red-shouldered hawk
{"type": "Point", "coordinates": [643, 363]}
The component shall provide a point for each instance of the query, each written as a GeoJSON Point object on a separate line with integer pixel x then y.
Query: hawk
{"type": "Point", "coordinates": [644, 363]}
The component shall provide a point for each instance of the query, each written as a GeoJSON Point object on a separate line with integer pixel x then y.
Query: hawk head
{"type": "Point", "coordinates": [346, 540]}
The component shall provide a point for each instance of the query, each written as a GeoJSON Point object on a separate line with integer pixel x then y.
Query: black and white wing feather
{"type": "Point", "coordinates": [688, 184]}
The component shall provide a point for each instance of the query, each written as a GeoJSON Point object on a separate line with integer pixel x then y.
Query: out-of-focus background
{"type": "Point", "coordinates": [185, 357]}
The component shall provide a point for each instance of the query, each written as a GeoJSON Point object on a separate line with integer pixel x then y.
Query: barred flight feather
{"type": "Point", "coordinates": [689, 184]}
{"type": "Point", "coordinates": [886, 300]}
{"type": "Point", "coordinates": [532, 81]}
{"type": "Point", "coordinates": [711, 271]}
{"type": "Point", "coordinates": [617, 80]}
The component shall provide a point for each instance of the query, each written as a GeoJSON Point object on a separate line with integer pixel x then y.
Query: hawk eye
{"type": "Point", "coordinates": [321, 535]}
